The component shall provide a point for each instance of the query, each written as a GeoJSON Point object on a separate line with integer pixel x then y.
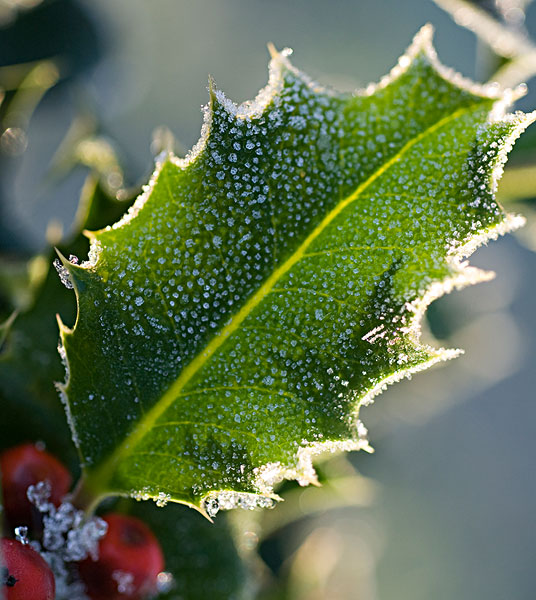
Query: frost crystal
{"type": "Point", "coordinates": [217, 501]}
{"type": "Point", "coordinates": [64, 274]}
{"type": "Point", "coordinates": [21, 534]}
{"type": "Point", "coordinates": [39, 495]}
{"type": "Point", "coordinates": [125, 582]}
{"type": "Point", "coordinates": [164, 582]}
{"type": "Point", "coordinates": [162, 499]}
{"type": "Point", "coordinates": [68, 536]}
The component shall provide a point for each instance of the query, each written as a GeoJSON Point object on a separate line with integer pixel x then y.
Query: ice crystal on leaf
{"type": "Point", "coordinates": [263, 288]}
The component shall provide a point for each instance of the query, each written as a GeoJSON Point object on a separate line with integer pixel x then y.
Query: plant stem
{"type": "Point", "coordinates": [86, 499]}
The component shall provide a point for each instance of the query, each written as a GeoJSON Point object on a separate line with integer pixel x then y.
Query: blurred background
{"type": "Point", "coordinates": [445, 508]}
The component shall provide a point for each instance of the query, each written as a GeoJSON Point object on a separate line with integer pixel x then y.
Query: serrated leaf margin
{"type": "Point", "coordinates": [270, 474]}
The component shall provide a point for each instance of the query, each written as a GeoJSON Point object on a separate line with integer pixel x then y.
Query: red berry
{"type": "Point", "coordinates": [130, 559]}
{"type": "Point", "coordinates": [27, 465]}
{"type": "Point", "coordinates": [24, 573]}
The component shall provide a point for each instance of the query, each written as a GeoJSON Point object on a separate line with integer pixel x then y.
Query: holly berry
{"type": "Point", "coordinates": [130, 559]}
{"type": "Point", "coordinates": [25, 465]}
{"type": "Point", "coordinates": [24, 574]}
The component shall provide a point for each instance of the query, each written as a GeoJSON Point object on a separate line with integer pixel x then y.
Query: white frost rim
{"type": "Point", "coordinates": [422, 43]}
{"type": "Point", "coordinates": [267, 476]}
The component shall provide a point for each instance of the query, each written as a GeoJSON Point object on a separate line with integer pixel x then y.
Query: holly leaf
{"type": "Point", "coordinates": [262, 290]}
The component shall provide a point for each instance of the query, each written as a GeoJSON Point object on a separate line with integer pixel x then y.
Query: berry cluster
{"type": "Point", "coordinates": [58, 552]}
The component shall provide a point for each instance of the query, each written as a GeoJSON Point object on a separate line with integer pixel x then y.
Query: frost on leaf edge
{"type": "Point", "coordinates": [279, 64]}
{"type": "Point", "coordinates": [269, 475]}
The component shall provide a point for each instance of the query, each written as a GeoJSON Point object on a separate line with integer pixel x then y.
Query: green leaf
{"type": "Point", "coordinates": [29, 360]}
{"type": "Point", "coordinates": [264, 288]}
{"type": "Point", "coordinates": [29, 365]}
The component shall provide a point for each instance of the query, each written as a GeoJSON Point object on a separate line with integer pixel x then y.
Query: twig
{"type": "Point", "coordinates": [505, 41]}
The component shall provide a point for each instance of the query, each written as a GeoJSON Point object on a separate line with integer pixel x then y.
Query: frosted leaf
{"type": "Point", "coordinates": [264, 288]}
{"type": "Point", "coordinates": [215, 502]}
{"type": "Point", "coordinates": [143, 494]}
{"type": "Point", "coordinates": [162, 499]}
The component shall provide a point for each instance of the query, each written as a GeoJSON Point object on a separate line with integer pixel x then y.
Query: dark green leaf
{"type": "Point", "coordinates": [29, 361]}
{"type": "Point", "coordinates": [202, 558]}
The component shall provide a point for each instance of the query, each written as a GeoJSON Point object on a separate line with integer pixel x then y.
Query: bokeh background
{"type": "Point", "coordinates": [446, 507]}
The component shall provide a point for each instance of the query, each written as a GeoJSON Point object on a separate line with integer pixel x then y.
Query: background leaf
{"type": "Point", "coordinates": [203, 559]}
{"type": "Point", "coordinates": [29, 361]}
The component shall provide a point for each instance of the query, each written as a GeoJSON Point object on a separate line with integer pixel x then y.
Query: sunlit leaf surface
{"type": "Point", "coordinates": [262, 289]}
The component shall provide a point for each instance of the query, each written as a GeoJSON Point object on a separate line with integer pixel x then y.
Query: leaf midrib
{"type": "Point", "coordinates": [104, 473]}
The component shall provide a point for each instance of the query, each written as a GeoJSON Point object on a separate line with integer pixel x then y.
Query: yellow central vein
{"type": "Point", "coordinates": [104, 473]}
